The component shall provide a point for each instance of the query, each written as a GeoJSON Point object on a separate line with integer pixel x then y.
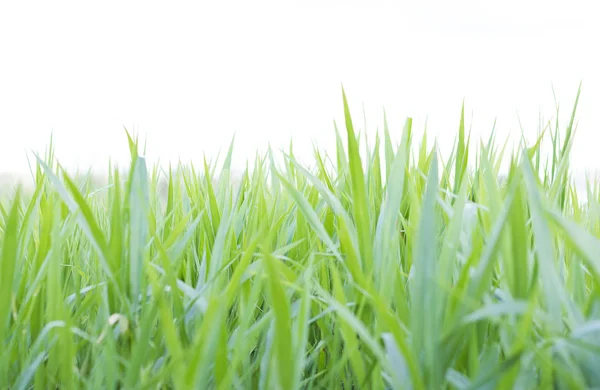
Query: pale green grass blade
{"type": "Point", "coordinates": [8, 267]}
{"type": "Point", "coordinates": [23, 381]}
{"type": "Point", "coordinates": [138, 234]}
{"type": "Point", "coordinates": [360, 208]}
{"type": "Point", "coordinates": [359, 328]}
{"type": "Point", "coordinates": [545, 251]}
{"type": "Point", "coordinates": [425, 286]}
{"type": "Point", "coordinates": [167, 324]}
{"type": "Point", "coordinates": [389, 149]}
{"type": "Point", "coordinates": [388, 221]}
{"type": "Point", "coordinates": [283, 328]}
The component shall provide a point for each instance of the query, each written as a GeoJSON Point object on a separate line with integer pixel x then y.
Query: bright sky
{"type": "Point", "coordinates": [187, 76]}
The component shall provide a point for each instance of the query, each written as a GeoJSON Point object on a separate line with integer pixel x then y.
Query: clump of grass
{"type": "Point", "coordinates": [394, 270]}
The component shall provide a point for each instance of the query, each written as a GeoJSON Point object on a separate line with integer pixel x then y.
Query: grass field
{"type": "Point", "coordinates": [399, 269]}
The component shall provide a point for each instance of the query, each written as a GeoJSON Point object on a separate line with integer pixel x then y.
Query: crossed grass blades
{"type": "Point", "coordinates": [395, 270]}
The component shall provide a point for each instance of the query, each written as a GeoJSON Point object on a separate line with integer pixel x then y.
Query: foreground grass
{"type": "Point", "coordinates": [390, 270]}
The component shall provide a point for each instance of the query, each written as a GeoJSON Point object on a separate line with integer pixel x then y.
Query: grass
{"type": "Point", "coordinates": [386, 270]}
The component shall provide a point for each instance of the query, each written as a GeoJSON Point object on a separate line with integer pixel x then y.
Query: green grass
{"type": "Point", "coordinates": [393, 269]}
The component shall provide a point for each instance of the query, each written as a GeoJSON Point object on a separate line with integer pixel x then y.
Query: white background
{"type": "Point", "coordinates": [187, 77]}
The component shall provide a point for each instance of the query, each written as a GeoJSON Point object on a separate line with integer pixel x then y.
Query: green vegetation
{"type": "Point", "coordinates": [387, 270]}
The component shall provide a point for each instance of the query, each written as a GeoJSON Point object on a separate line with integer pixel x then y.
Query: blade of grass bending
{"type": "Point", "coordinates": [482, 275]}
{"type": "Point", "coordinates": [357, 326]}
{"type": "Point", "coordinates": [461, 152]}
{"type": "Point", "coordinates": [25, 377]}
{"type": "Point", "coordinates": [346, 228]}
{"type": "Point", "coordinates": [582, 241]}
{"type": "Point", "coordinates": [39, 349]}
{"type": "Point", "coordinates": [328, 196]}
{"type": "Point", "coordinates": [351, 342]}
{"type": "Point", "coordinates": [311, 217]}
{"type": "Point", "coordinates": [85, 220]}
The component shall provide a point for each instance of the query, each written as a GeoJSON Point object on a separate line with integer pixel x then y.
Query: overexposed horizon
{"type": "Point", "coordinates": [187, 77]}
